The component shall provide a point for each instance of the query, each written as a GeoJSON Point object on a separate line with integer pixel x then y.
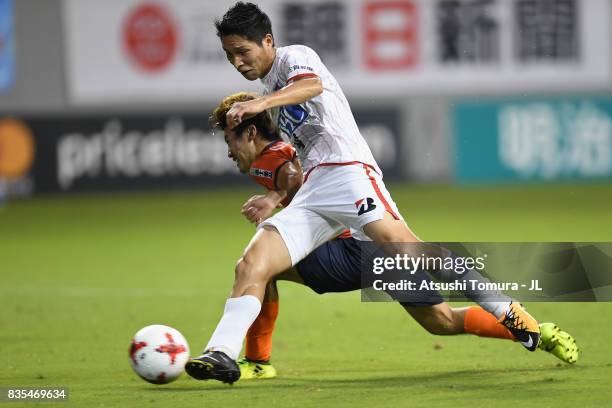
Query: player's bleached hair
{"type": "Point", "coordinates": [247, 20]}
{"type": "Point", "coordinates": [262, 121]}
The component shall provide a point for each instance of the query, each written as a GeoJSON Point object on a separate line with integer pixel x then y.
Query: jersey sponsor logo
{"type": "Point", "coordinates": [261, 173]}
{"type": "Point", "coordinates": [290, 118]}
{"type": "Point", "coordinates": [300, 67]}
{"type": "Point", "coordinates": [365, 205]}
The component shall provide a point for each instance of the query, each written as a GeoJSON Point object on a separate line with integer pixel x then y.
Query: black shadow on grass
{"type": "Point", "coordinates": [500, 379]}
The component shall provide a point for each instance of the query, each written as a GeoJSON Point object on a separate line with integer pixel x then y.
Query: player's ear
{"type": "Point", "coordinates": [251, 133]}
{"type": "Point", "coordinates": [268, 41]}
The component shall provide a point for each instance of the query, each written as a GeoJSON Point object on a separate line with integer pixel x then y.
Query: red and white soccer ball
{"type": "Point", "coordinates": [158, 354]}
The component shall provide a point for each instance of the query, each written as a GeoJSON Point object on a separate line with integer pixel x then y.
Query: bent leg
{"type": "Point", "coordinates": [395, 233]}
{"type": "Point", "coordinates": [265, 256]}
{"type": "Point", "coordinates": [441, 319]}
{"type": "Point", "coordinates": [279, 243]}
{"type": "Point", "coordinates": [333, 266]}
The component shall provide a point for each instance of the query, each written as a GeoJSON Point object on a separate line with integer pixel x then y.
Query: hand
{"type": "Point", "coordinates": [244, 110]}
{"type": "Point", "coordinates": [259, 208]}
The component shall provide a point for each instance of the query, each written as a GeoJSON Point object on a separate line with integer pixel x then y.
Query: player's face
{"type": "Point", "coordinates": [240, 149]}
{"type": "Point", "coordinates": [251, 59]}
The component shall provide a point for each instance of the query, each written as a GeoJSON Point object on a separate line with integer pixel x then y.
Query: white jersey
{"type": "Point", "coordinates": [322, 129]}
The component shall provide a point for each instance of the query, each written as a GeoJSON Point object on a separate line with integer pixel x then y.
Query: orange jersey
{"type": "Point", "coordinates": [264, 169]}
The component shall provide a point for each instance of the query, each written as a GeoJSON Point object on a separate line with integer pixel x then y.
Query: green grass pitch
{"type": "Point", "coordinates": [80, 275]}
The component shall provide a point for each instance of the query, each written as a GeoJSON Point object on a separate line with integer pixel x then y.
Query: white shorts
{"type": "Point", "coordinates": [332, 199]}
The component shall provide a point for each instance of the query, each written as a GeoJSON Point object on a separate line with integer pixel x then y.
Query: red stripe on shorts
{"type": "Point", "coordinates": [380, 195]}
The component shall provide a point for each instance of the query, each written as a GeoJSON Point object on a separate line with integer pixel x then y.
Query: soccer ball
{"type": "Point", "coordinates": [158, 354]}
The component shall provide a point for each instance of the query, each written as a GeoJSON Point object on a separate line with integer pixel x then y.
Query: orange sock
{"type": "Point", "coordinates": [259, 337]}
{"type": "Point", "coordinates": [482, 323]}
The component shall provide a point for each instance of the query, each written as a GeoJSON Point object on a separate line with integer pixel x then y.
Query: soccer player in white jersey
{"type": "Point", "coordinates": [335, 266]}
{"type": "Point", "coordinates": [343, 186]}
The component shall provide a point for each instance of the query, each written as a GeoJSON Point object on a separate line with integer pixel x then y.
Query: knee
{"type": "Point", "coordinates": [248, 270]}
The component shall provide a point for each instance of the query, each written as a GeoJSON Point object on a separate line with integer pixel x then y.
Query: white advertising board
{"type": "Point", "coordinates": [166, 51]}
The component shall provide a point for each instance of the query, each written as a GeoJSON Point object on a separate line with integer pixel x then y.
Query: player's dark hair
{"type": "Point", "coordinates": [245, 19]}
{"type": "Point", "coordinates": [262, 121]}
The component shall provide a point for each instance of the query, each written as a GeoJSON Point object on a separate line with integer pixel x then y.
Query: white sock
{"type": "Point", "coordinates": [497, 309]}
{"type": "Point", "coordinates": [238, 316]}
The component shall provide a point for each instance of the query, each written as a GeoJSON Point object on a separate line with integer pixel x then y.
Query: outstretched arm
{"type": "Point", "coordinates": [294, 93]}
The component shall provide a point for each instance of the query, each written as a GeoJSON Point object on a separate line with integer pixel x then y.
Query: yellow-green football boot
{"type": "Point", "coordinates": [558, 343]}
{"type": "Point", "coordinates": [255, 370]}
